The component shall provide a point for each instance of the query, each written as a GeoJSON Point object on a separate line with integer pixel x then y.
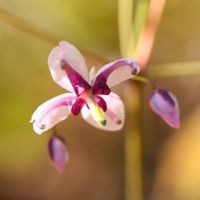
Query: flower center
{"type": "Point", "coordinates": [96, 111]}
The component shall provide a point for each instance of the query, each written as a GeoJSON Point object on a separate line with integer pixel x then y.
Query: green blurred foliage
{"type": "Point", "coordinates": [91, 24]}
{"type": "Point", "coordinates": [26, 83]}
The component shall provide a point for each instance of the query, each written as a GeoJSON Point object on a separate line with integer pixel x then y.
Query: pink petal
{"type": "Point", "coordinates": [69, 53]}
{"type": "Point", "coordinates": [52, 112]}
{"type": "Point", "coordinates": [114, 115]}
{"type": "Point", "coordinates": [116, 72]}
{"type": "Point", "coordinates": [165, 104]}
{"type": "Point", "coordinates": [58, 152]}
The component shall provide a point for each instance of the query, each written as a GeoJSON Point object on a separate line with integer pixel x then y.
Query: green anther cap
{"type": "Point", "coordinates": [103, 122]}
{"type": "Point", "coordinates": [97, 114]}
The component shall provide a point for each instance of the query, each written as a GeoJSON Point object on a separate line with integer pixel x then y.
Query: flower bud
{"type": "Point", "coordinates": [165, 104]}
{"type": "Point", "coordinates": [58, 152]}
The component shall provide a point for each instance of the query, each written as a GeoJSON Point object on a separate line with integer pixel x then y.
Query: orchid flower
{"type": "Point", "coordinates": [89, 93]}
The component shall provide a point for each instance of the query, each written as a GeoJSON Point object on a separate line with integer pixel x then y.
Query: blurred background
{"type": "Point", "coordinates": [95, 171]}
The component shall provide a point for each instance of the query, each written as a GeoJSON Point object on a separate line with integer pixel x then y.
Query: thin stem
{"type": "Point", "coordinates": [141, 12]}
{"type": "Point", "coordinates": [133, 148]}
{"type": "Point", "coordinates": [147, 37]}
{"type": "Point", "coordinates": [141, 79]}
{"type": "Point", "coordinates": [39, 32]}
{"type": "Point", "coordinates": [174, 69]}
{"type": "Point", "coordinates": [125, 23]}
{"type": "Point", "coordinates": [138, 25]}
{"type": "Point", "coordinates": [27, 27]}
{"type": "Point", "coordinates": [133, 166]}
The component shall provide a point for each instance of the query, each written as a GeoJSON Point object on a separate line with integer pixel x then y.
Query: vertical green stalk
{"type": "Point", "coordinates": [131, 21]}
{"type": "Point", "coordinates": [146, 38]}
{"type": "Point", "coordinates": [136, 34]}
{"type": "Point", "coordinates": [125, 22]}
{"type": "Point", "coordinates": [133, 150]}
{"type": "Point", "coordinates": [140, 18]}
{"type": "Point", "coordinates": [128, 36]}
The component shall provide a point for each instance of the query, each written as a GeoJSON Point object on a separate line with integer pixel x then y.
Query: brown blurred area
{"type": "Point", "coordinates": [171, 159]}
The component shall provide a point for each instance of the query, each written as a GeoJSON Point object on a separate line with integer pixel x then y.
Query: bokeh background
{"type": "Point", "coordinates": [171, 159]}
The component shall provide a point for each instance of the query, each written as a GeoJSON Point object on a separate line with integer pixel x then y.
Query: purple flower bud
{"type": "Point", "coordinates": [165, 104]}
{"type": "Point", "coordinates": [58, 152]}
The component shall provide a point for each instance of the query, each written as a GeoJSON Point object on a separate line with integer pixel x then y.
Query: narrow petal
{"type": "Point", "coordinates": [114, 73]}
{"type": "Point", "coordinates": [165, 104]}
{"type": "Point", "coordinates": [78, 83]}
{"type": "Point", "coordinates": [58, 152]}
{"type": "Point", "coordinates": [77, 106]}
{"type": "Point", "coordinates": [52, 112]}
{"type": "Point", "coordinates": [70, 54]}
{"type": "Point", "coordinates": [100, 101]}
{"type": "Point", "coordinates": [114, 115]}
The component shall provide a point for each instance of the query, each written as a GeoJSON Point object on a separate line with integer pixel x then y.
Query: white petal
{"type": "Point", "coordinates": [52, 112]}
{"type": "Point", "coordinates": [116, 72]}
{"type": "Point", "coordinates": [69, 53]}
{"type": "Point", "coordinates": [114, 106]}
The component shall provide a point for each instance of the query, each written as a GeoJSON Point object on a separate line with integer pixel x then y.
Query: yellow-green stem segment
{"type": "Point", "coordinates": [125, 23]}
{"type": "Point", "coordinates": [128, 37]}
{"type": "Point", "coordinates": [133, 152]}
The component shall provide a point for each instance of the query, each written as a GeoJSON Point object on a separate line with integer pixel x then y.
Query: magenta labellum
{"type": "Point", "coordinates": [165, 104]}
{"type": "Point", "coordinates": [58, 152]}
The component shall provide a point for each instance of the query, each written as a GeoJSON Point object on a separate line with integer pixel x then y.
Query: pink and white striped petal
{"type": "Point", "coordinates": [116, 72]}
{"type": "Point", "coordinates": [114, 115]}
{"type": "Point", "coordinates": [52, 112]}
{"type": "Point", "coordinates": [69, 53]}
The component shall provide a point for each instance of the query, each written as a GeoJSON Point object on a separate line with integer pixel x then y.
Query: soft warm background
{"type": "Point", "coordinates": [96, 167]}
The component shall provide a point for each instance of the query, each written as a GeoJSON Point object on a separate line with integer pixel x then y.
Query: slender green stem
{"type": "Point", "coordinates": [137, 26]}
{"type": "Point", "coordinates": [141, 79]}
{"type": "Point", "coordinates": [174, 69]}
{"type": "Point", "coordinates": [140, 17]}
{"type": "Point", "coordinates": [133, 166]}
{"type": "Point", "coordinates": [147, 36]}
{"type": "Point", "coordinates": [133, 148]}
{"type": "Point", "coordinates": [27, 26]}
{"type": "Point", "coordinates": [39, 32]}
{"type": "Point", "coordinates": [125, 23]}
